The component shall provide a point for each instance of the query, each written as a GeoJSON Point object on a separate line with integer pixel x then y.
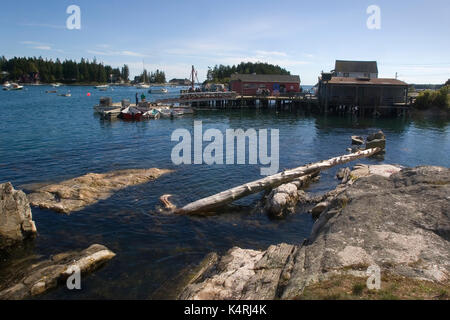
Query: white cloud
{"type": "Point", "coordinates": [116, 53]}
{"type": "Point", "coordinates": [271, 53]}
{"type": "Point", "coordinates": [37, 45]}
{"type": "Point", "coordinates": [43, 47]}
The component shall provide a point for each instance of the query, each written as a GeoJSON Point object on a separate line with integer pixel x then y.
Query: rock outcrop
{"type": "Point", "coordinates": [47, 274]}
{"type": "Point", "coordinates": [16, 222]}
{"type": "Point", "coordinates": [398, 221]}
{"type": "Point", "coordinates": [75, 194]}
{"type": "Point", "coordinates": [283, 199]}
{"type": "Point", "coordinates": [376, 140]}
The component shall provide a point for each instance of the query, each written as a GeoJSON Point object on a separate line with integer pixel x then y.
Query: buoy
{"type": "Point", "coordinates": [88, 94]}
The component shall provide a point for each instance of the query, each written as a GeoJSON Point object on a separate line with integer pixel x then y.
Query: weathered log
{"type": "Point", "coordinates": [225, 197]}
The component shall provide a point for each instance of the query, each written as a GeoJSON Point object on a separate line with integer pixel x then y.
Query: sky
{"type": "Point", "coordinates": [305, 37]}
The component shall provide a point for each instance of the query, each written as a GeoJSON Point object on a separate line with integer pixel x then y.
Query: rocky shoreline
{"type": "Point", "coordinates": [33, 276]}
{"type": "Point", "coordinates": [385, 216]}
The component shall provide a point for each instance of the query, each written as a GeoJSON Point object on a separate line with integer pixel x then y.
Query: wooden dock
{"type": "Point", "coordinates": [231, 99]}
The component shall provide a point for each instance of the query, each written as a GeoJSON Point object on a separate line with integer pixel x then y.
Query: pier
{"type": "Point", "coordinates": [206, 100]}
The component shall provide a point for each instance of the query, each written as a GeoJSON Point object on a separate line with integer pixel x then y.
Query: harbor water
{"type": "Point", "coordinates": [45, 137]}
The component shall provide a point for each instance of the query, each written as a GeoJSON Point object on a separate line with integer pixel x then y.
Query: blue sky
{"type": "Point", "coordinates": [305, 37]}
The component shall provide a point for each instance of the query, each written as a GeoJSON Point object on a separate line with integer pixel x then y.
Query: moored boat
{"type": "Point", "coordinates": [152, 114]}
{"type": "Point", "coordinates": [12, 86]}
{"type": "Point", "coordinates": [130, 113]}
{"type": "Point", "coordinates": [142, 86]}
{"type": "Point", "coordinates": [155, 91]}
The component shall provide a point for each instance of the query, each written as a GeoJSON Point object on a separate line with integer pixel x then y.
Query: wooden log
{"type": "Point", "coordinates": [210, 203]}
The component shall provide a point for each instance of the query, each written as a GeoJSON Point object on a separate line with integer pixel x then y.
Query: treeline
{"type": "Point", "coordinates": [221, 73]}
{"type": "Point", "coordinates": [438, 98]}
{"type": "Point", "coordinates": [34, 69]}
{"type": "Point", "coordinates": [152, 77]}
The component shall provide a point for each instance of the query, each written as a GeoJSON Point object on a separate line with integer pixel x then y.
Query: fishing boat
{"type": "Point", "coordinates": [130, 113]}
{"type": "Point", "coordinates": [161, 90]}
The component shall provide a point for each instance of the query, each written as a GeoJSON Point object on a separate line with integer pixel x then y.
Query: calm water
{"type": "Point", "coordinates": [45, 137]}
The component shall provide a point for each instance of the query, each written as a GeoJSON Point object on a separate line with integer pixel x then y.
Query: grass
{"type": "Point", "coordinates": [393, 287]}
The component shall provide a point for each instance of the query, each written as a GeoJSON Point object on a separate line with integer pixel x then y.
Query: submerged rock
{"type": "Point", "coordinates": [399, 222]}
{"type": "Point", "coordinates": [45, 275]}
{"type": "Point", "coordinates": [75, 194]}
{"type": "Point", "coordinates": [16, 222]}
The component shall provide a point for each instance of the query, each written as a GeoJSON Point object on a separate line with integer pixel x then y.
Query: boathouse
{"type": "Point", "coordinates": [355, 69]}
{"type": "Point", "coordinates": [361, 92]}
{"type": "Point", "coordinates": [251, 84]}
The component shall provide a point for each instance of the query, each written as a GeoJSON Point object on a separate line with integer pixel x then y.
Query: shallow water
{"type": "Point", "coordinates": [45, 137]}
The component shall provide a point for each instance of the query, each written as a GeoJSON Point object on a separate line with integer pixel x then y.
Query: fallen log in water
{"type": "Point", "coordinates": [225, 197]}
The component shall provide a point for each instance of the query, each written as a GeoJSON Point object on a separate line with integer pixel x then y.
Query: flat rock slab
{"type": "Point", "coordinates": [78, 193]}
{"type": "Point", "coordinates": [399, 221]}
{"type": "Point", "coordinates": [48, 274]}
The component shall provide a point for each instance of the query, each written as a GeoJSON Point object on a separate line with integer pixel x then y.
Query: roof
{"type": "Point", "coordinates": [356, 66]}
{"type": "Point", "coordinates": [265, 78]}
{"type": "Point", "coordinates": [366, 81]}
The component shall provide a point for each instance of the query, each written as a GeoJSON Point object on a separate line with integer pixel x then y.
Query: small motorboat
{"type": "Point", "coordinates": [102, 87]}
{"type": "Point", "coordinates": [166, 113]}
{"type": "Point", "coordinates": [142, 86]}
{"type": "Point", "coordinates": [130, 113]}
{"type": "Point", "coordinates": [152, 114]}
{"type": "Point", "coordinates": [51, 91]}
{"type": "Point", "coordinates": [156, 91]}
{"type": "Point", "coordinates": [56, 85]}
{"type": "Point", "coordinates": [68, 94]}
{"type": "Point", "coordinates": [12, 86]}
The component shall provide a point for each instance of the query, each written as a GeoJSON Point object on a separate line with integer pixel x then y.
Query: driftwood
{"type": "Point", "coordinates": [218, 200]}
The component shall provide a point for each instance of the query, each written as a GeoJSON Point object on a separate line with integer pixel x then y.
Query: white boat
{"type": "Point", "coordinates": [12, 86]}
{"type": "Point", "coordinates": [161, 90]}
{"type": "Point", "coordinates": [142, 86]}
{"type": "Point", "coordinates": [104, 86]}
{"type": "Point", "coordinates": [166, 112]}
{"type": "Point", "coordinates": [152, 114]}
{"type": "Point", "coordinates": [68, 94]}
{"type": "Point", "coordinates": [56, 85]}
